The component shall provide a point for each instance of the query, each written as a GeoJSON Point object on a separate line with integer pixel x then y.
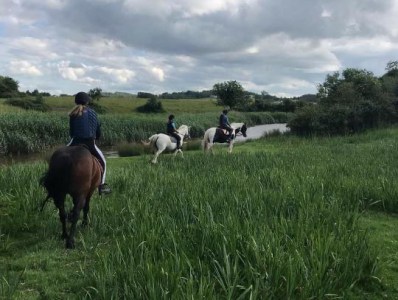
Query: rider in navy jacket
{"type": "Point", "coordinates": [172, 130]}
{"type": "Point", "coordinates": [224, 123]}
{"type": "Point", "coordinates": [85, 128]}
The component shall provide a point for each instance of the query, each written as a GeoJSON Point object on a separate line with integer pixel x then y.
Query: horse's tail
{"type": "Point", "coordinates": [57, 178]}
{"type": "Point", "coordinates": [205, 141]}
{"type": "Point", "coordinates": [151, 141]}
{"type": "Point", "coordinates": [145, 143]}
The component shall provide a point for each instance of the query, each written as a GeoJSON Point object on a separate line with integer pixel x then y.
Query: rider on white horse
{"type": "Point", "coordinates": [172, 130]}
{"type": "Point", "coordinates": [161, 142]}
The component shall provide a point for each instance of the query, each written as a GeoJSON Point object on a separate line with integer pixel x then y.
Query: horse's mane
{"type": "Point", "coordinates": [237, 125]}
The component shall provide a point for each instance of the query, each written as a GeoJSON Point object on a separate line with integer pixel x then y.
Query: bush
{"type": "Point", "coordinates": [306, 120]}
{"type": "Point", "coordinates": [350, 103]}
{"type": "Point", "coordinates": [153, 105]}
{"type": "Point", "coordinates": [29, 103]}
{"type": "Point", "coordinates": [98, 108]}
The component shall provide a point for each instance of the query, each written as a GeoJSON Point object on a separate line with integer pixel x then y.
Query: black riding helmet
{"type": "Point", "coordinates": [171, 117]}
{"type": "Point", "coordinates": [225, 111]}
{"type": "Point", "coordinates": [82, 98]}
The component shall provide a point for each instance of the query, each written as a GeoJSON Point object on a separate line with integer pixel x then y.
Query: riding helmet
{"type": "Point", "coordinates": [171, 117]}
{"type": "Point", "coordinates": [82, 98]}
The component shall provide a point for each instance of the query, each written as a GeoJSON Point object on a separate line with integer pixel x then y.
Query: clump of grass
{"type": "Point", "coordinates": [192, 145]}
{"type": "Point", "coordinates": [272, 133]}
{"type": "Point", "coordinates": [132, 149]}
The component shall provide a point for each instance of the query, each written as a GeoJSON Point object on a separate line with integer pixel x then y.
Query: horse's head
{"type": "Point", "coordinates": [240, 128]}
{"type": "Point", "coordinates": [243, 129]}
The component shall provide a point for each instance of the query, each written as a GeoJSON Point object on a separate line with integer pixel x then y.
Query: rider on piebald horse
{"type": "Point", "coordinates": [224, 123]}
{"type": "Point", "coordinates": [84, 129]}
{"type": "Point", "coordinates": [172, 131]}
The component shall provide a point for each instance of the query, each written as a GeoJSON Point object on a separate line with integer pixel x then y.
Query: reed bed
{"type": "Point", "coordinates": [30, 132]}
{"type": "Point", "coordinates": [278, 219]}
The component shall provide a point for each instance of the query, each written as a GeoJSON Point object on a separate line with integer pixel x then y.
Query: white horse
{"type": "Point", "coordinates": [161, 142]}
{"type": "Point", "coordinates": [208, 139]}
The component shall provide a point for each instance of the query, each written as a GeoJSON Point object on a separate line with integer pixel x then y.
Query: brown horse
{"type": "Point", "coordinates": [75, 171]}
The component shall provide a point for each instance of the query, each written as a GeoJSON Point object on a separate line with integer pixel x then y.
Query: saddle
{"type": "Point", "coordinates": [99, 165]}
{"type": "Point", "coordinates": [95, 158]}
{"type": "Point", "coordinates": [221, 136]}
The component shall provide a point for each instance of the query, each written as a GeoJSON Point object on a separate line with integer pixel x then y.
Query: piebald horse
{"type": "Point", "coordinates": [210, 134]}
{"type": "Point", "coordinates": [75, 171]}
{"type": "Point", "coordinates": [161, 142]}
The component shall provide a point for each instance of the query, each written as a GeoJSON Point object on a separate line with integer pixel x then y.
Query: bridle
{"type": "Point", "coordinates": [238, 131]}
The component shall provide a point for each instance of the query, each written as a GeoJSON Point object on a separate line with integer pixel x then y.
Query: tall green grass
{"type": "Point", "coordinates": [29, 132]}
{"type": "Point", "coordinates": [277, 219]}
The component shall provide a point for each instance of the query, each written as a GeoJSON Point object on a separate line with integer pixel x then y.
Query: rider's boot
{"type": "Point", "coordinates": [104, 189]}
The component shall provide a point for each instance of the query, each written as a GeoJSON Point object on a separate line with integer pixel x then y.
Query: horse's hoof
{"type": "Point", "coordinates": [70, 244]}
{"type": "Point", "coordinates": [69, 217]}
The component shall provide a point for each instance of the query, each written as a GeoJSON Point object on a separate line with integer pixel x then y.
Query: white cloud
{"type": "Point", "coordinates": [186, 8]}
{"type": "Point", "coordinates": [158, 72]}
{"type": "Point", "coordinates": [362, 46]}
{"type": "Point", "coordinates": [326, 14]}
{"type": "Point", "coordinates": [252, 50]}
{"type": "Point", "coordinates": [280, 46]}
{"type": "Point", "coordinates": [122, 75]}
{"type": "Point", "coordinates": [291, 84]}
{"type": "Point", "coordinates": [70, 73]}
{"type": "Point", "coordinates": [24, 67]}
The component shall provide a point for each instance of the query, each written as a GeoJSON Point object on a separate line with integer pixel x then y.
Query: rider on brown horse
{"type": "Point", "coordinates": [84, 129]}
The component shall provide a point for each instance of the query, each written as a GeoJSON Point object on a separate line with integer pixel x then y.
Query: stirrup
{"type": "Point", "coordinates": [104, 189]}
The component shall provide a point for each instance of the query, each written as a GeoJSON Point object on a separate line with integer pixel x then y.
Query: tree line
{"type": "Point", "coordinates": [351, 101]}
{"type": "Point", "coordinates": [348, 101]}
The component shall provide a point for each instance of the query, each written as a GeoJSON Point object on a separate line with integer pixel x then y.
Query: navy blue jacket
{"type": "Point", "coordinates": [86, 126]}
{"type": "Point", "coordinates": [171, 126]}
{"type": "Point", "coordinates": [224, 120]}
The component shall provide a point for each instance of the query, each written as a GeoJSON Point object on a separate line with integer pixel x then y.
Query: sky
{"type": "Point", "coordinates": [283, 47]}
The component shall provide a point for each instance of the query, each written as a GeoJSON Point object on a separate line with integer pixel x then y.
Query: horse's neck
{"type": "Point", "coordinates": [182, 130]}
{"type": "Point", "coordinates": [236, 125]}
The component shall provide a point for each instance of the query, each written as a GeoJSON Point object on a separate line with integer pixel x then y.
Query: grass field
{"type": "Point", "coordinates": [280, 218]}
{"type": "Point", "coordinates": [128, 105]}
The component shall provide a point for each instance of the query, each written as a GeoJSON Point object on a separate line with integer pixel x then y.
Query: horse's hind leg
{"type": "Point", "coordinates": [86, 209]}
{"type": "Point", "coordinates": [155, 158]}
{"type": "Point", "coordinates": [78, 202]}
{"type": "Point", "coordinates": [60, 204]}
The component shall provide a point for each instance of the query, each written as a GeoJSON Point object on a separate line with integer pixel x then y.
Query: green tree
{"type": "Point", "coordinates": [8, 87]}
{"type": "Point", "coordinates": [392, 66]}
{"type": "Point", "coordinates": [352, 86]}
{"type": "Point", "coordinates": [230, 93]}
{"type": "Point", "coordinates": [349, 102]}
{"type": "Point", "coordinates": [95, 93]}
